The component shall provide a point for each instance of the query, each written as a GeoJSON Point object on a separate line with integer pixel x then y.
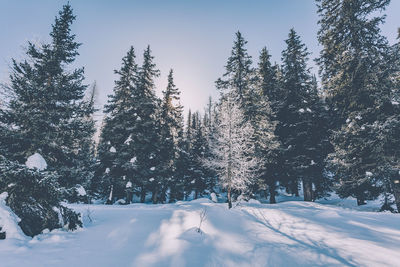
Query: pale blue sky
{"type": "Point", "coordinates": [193, 37]}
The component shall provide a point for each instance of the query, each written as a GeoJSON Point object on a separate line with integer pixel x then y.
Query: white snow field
{"type": "Point", "coordinates": [286, 234]}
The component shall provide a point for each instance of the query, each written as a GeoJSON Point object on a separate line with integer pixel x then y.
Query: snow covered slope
{"type": "Point", "coordinates": [285, 234]}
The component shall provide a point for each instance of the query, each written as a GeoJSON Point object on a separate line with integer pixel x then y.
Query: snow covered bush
{"type": "Point", "coordinates": [33, 196]}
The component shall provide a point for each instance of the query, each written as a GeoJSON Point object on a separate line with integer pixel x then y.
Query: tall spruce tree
{"type": "Point", "coordinates": [170, 133]}
{"type": "Point", "coordinates": [47, 105]}
{"type": "Point", "coordinates": [266, 105]}
{"type": "Point", "coordinates": [354, 66]}
{"type": "Point", "coordinates": [145, 132]}
{"type": "Point", "coordinates": [46, 113]}
{"type": "Point", "coordinates": [302, 128]}
{"type": "Point", "coordinates": [198, 172]}
{"type": "Point", "coordinates": [239, 72]}
{"type": "Point", "coordinates": [115, 169]}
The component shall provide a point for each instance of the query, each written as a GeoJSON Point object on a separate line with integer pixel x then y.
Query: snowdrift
{"type": "Point", "coordinates": [251, 234]}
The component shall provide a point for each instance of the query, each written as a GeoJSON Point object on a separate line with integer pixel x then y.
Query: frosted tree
{"type": "Point", "coordinates": [233, 148]}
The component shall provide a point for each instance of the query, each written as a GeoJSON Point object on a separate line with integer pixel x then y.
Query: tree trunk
{"type": "Point", "coordinates": [111, 196]}
{"type": "Point", "coordinates": [229, 198]}
{"type": "Point", "coordinates": [172, 196]}
{"type": "Point", "coordinates": [361, 201]}
{"type": "Point", "coordinates": [295, 188]}
{"type": "Point", "coordinates": [154, 196]}
{"type": "Point", "coordinates": [196, 194]}
{"type": "Point", "coordinates": [143, 195]}
{"type": "Point", "coordinates": [129, 195]}
{"type": "Point", "coordinates": [307, 189]}
{"type": "Point", "coordinates": [272, 193]}
{"type": "Point", "coordinates": [163, 195]}
{"type": "Point", "coordinates": [396, 194]}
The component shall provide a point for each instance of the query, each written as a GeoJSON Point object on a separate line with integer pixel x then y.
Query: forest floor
{"type": "Point", "coordinates": [291, 233]}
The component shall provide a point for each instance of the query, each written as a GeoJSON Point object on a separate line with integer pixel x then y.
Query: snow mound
{"type": "Point", "coordinates": [201, 200]}
{"type": "Point", "coordinates": [9, 221]}
{"type": "Point", "coordinates": [213, 197]}
{"type": "Point", "coordinates": [193, 235]}
{"type": "Point", "coordinates": [127, 141]}
{"type": "Point", "coordinates": [36, 161]}
{"type": "Point", "coordinates": [80, 190]}
{"type": "Point", "coordinates": [284, 234]}
{"type": "Point", "coordinates": [120, 202]}
{"type": "Point", "coordinates": [254, 201]}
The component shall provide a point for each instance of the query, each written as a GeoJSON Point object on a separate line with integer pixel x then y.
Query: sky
{"type": "Point", "coordinates": [192, 37]}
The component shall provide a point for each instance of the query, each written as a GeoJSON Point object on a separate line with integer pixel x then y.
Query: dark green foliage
{"type": "Point", "coordinates": [34, 196]}
{"type": "Point", "coordinates": [357, 67]}
{"type": "Point", "coordinates": [302, 127]}
{"type": "Point", "coordinates": [47, 110]}
{"type": "Point", "coordinates": [171, 129]}
{"type": "Point", "coordinates": [239, 73]}
{"type": "Point", "coordinates": [130, 139]}
{"type": "Point", "coordinates": [266, 104]}
{"type": "Point", "coordinates": [2, 234]}
{"type": "Point", "coordinates": [145, 131]}
{"type": "Point", "coordinates": [352, 49]}
{"type": "Point", "coordinates": [114, 151]}
{"type": "Point", "coordinates": [197, 173]}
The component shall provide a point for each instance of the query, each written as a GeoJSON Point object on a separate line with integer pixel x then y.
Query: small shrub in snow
{"type": "Point", "coordinates": [33, 198]}
{"type": "Point", "coordinates": [203, 218]}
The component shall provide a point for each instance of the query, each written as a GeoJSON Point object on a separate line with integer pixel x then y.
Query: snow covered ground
{"type": "Point", "coordinates": [291, 233]}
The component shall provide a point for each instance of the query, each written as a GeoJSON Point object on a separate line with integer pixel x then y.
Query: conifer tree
{"type": "Point", "coordinates": [46, 113]}
{"type": "Point", "coordinates": [85, 161]}
{"type": "Point", "coordinates": [239, 72]}
{"type": "Point", "coordinates": [264, 122]}
{"type": "Point", "coordinates": [355, 69]}
{"type": "Point", "coordinates": [47, 103]}
{"type": "Point", "coordinates": [115, 169]}
{"type": "Point", "coordinates": [170, 133]}
{"type": "Point", "coordinates": [145, 132]}
{"type": "Point", "coordinates": [197, 171]}
{"type": "Point", "coordinates": [302, 128]}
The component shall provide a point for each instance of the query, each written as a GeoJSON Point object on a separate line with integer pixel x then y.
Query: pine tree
{"type": "Point", "coordinates": [302, 127]}
{"type": "Point", "coordinates": [239, 73]}
{"type": "Point", "coordinates": [34, 196]}
{"type": "Point", "coordinates": [233, 149]}
{"type": "Point", "coordinates": [170, 133]}
{"type": "Point", "coordinates": [145, 132]}
{"type": "Point", "coordinates": [85, 160]}
{"type": "Point", "coordinates": [115, 169]}
{"type": "Point", "coordinates": [385, 132]}
{"type": "Point", "coordinates": [268, 80]}
{"type": "Point", "coordinates": [197, 172]}
{"type": "Point", "coordinates": [209, 132]}
{"type": "Point", "coordinates": [47, 103]}
{"type": "Point", "coordinates": [264, 122]}
{"type": "Point", "coordinates": [354, 66]}
{"type": "Point", "coordinates": [352, 44]}
{"type": "Point", "coordinates": [177, 186]}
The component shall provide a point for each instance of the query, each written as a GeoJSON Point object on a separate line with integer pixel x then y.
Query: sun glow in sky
{"type": "Point", "coordinates": [192, 37]}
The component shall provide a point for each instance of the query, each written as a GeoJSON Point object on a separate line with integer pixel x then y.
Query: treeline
{"type": "Point", "coordinates": [272, 127]}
